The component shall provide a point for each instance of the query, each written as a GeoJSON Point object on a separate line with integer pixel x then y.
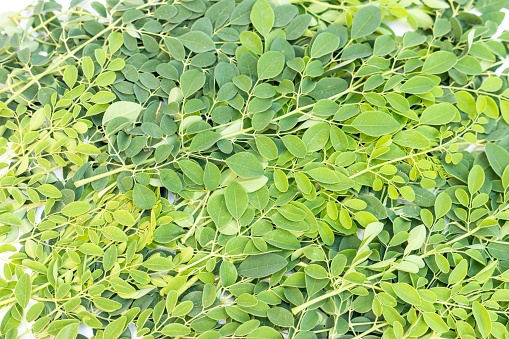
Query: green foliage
{"type": "Point", "coordinates": [227, 169]}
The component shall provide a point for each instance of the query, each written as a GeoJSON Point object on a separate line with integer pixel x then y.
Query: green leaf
{"type": "Point", "coordinates": [218, 210]}
{"type": "Point", "coordinates": [292, 213]}
{"type": "Point", "coordinates": [197, 41]}
{"type": "Point", "coordinates": [439, 62]}
{"type": "Point", "coordinates": [264, 332]}
{"type": "Point", "coordinates": [375, 123]}
{"type": "Point", "coordinates": [459, 272]}
{"type": "Point", "coordinates": [158, 264]}
{"type": "Point", "coordinates": [266, 147]}
{"type": "Point", "coordinates": [170, 180]}
{"type": "Point", "coordinates": [282, 239]}
{"type": "Point", "coordinates": [143, 197]}
{"type": "Point", "coordinates": [10, 219]}
{"type": "Point", "coordinates": [417, 85]}
{"type": "Point", "coordinates": [407, 293]}
{"type": "Point", "coordinates": [270, 63]}
{"type": "Point", "coordinates": [280, 316]}
{"type": "Point", "coordinates": [175, 47]}
{"type": "Point", "coordinates": [411, 138]}
{"type": "Point", "coordinates": [123, 217]}
{"type": "Point", "coordinates": [262, 17]}
{"type": "Point", "coordinates": [324, 174]}
{"type": "Point", "coordinates": [182, 309]}
{"type": "Point", "coordinates": [227, 273]}
{"type": "Point", "coordinates": [365, 21]}
{"type": "Point", "coordinates": [469, 65]}
{"type": "Point", "coordinates": [398, 102]}
{"type": "Point", "coordinates": [295, 145]}
{"type": "Point", "coordinates": [76, 208]}
{"type": "Point", "coordinates": [211, 176]}
{"type": "Point", "coordinates": [236, 199]}
{"type": "Point", "coordinates": [124, 109]}
{"type": "Point", "coordinates": [435, 322]}
{"type": "Point", "coordinates": [438, 114]}
{"type": "Point", "coordinates": [91, 249]}
{"type": "Point", "coordinates": [115, 328]}
{"type": "Point", "coordinates": [443, 204]}
{"type": "Point", "coordinates": [106, 305]}
{"type": "Point", "coordinates": [70, 75]}
{"type": "Point", "coordinates": [49, 191]}
{"type": "Point", "coordinates": [316, 271]}
{"type": "Point", "coordinates": [203, 141]}
{"type": "Point", "coordinates": [176, 330]}
{"type": "Point", "coordinates": [87, 149]}
{"type": "Point", "coordinates": [315, 138]}
{"type": "Point", "coordinates": [498, 157]}
{"type": "Point", "coordinates": [23, 290]}
{"type": "Point", "coordinates": [482, 319]}
{"type": "Point", "coordinates": [68, 332]}
{"type": "Point", "coordinates": [88, 67]}
{"type": "Point", "coordinates": [191, 81]}
{"type": "Point", "coordinates": [324, 43]}
{"type": "Point", "coordinates": [114, 233]}
{"type": "Point", "coordinates": [245, 165]}
{"type": "Point", "coordinates": [259, 266]}
{"type": "Point", "coordinates": [475, 179]}
{"type": "Point", "coordinates": [192, 170]}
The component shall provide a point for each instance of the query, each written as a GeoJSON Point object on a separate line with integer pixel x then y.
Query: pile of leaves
{"type": "Point", "coordinates": [254, 169]}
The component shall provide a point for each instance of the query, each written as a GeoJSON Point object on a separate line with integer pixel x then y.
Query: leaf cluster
{"type": "Point", "coordinates": [222, 169]}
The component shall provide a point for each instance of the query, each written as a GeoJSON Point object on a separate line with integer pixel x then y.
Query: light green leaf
{"type": "Point", "coordinates": [176, 330]}
{"type": "Point", "coordinates": [439, 62]}
{"type": "Point", "coordinates": [443, 204]}
{"type": "Point", "coordinates": [324, 43]}
{"type": "Point", "coordinates": [76, 208]}
{"type": "Point", "coordinates": [266, 147]}
{"type": "Point", "coordinates": [236, 199]}
{"type": "Point", "coordinates": [197, 41]}
{"type": "Point", "coordinates": [124, 109]}
{"type": "Point", "coordinates": [295, 145]}
{"type": "Point", "coordinates": [115, 328]}
{"type": "Point", "coordinates": [143, 197]}
{"type": "Point", "coordinates": [315, 138]}
{"type": "Point", "coordinates": [417, 85]}
{"type": "Point", "coordinates": [438, 114]}
{"type": "Point", "coordinates": [191, 81]}
{"type": "Point", "coordinates": [91, 249]}
{"type": "Point", "coordinates": [49, 191]}
{"type": "Point", "coordinates": [375, 123]}
{"type": "Point", "coordinates": [411, 138]}
{"type": "Point", "coordinates": [270, 64]}
{"type": "Point", "coordinates": [435, 322]}
{"type": "Point", "coordinates": [482, 318]}
{"type": "Point", "coordinates": [114, 233]}
{"type": "Point", "coordinates": [259, 266]}
{"type": "Point", "coordinates": [407, 293]}
{"type": "Point", "coordinates": [459, 272]}
{"type": "Point", "coordinates": [469, 65]}
{"type": "Point", "coordinates": [123, 217]}
{"type": "Point", "coordinates": [366, 21]}
{"type": "Point", "coordinates": [475, 179]}
{"type": "Point", "coordinates": [68, 332]}
{"type": "Point", "coordinates": [106, 305]}
{"type": "Point", "coordinates": [245, 165]}
{"type": "Point", "coordinates": [280, 316]}
{"type": "Point", "coordinates": [262, 17]}
{"type": "Point", "coordinates": [23, 290]}
{"type": "Point", "coordinates": [204, 140]}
